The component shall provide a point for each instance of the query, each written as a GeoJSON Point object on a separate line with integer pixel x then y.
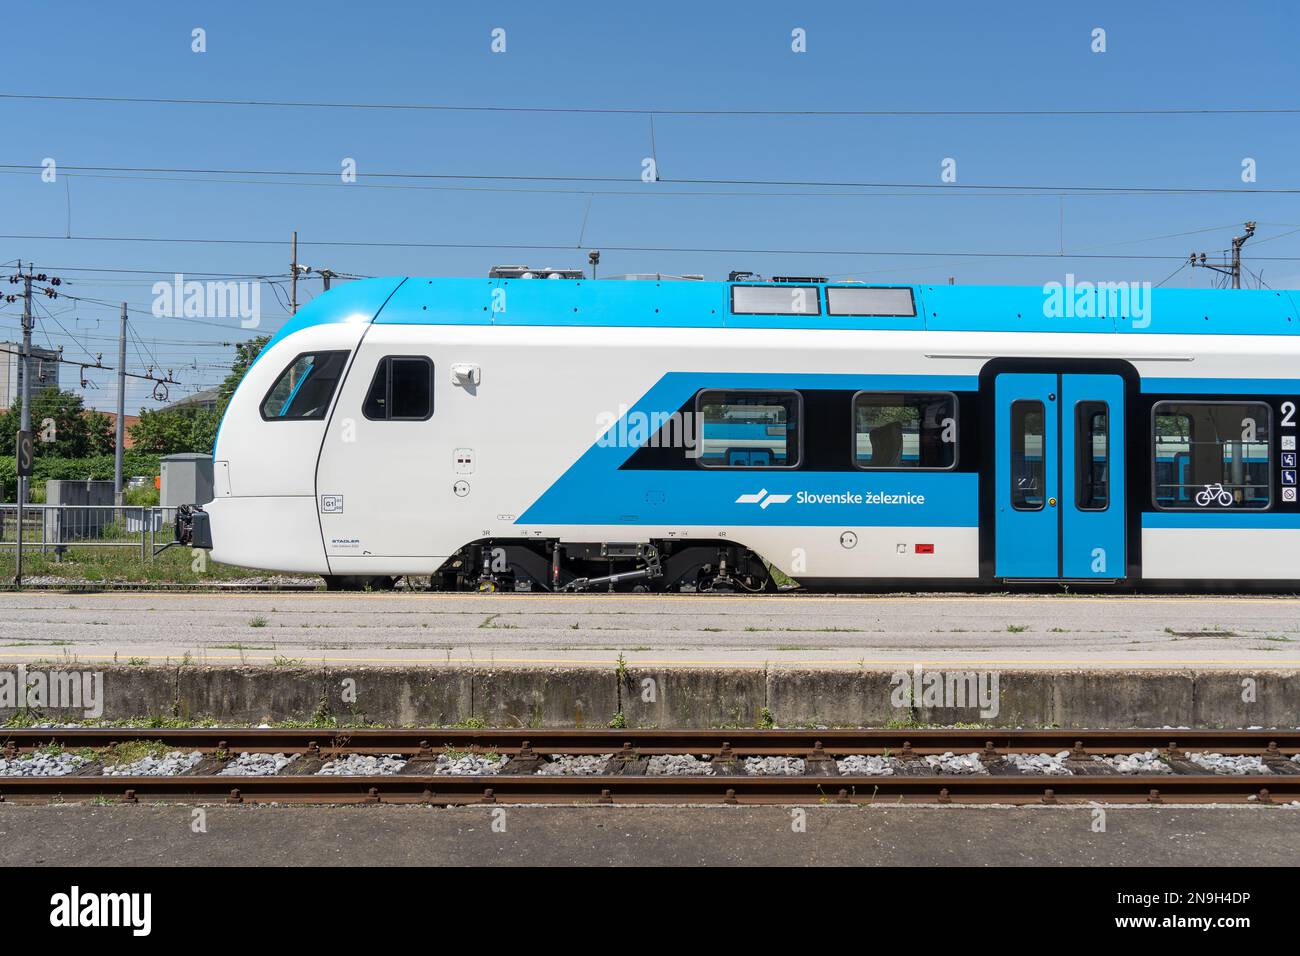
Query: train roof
{"type": "Point", "coordinates": [663, 302]}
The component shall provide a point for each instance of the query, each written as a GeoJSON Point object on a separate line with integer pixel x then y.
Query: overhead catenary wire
{"type": "Point", "coordinates": [561, 247]}
{"type": "Point", "coordinates": [701, 181]}
{"type": "Point", "coordinates": [657, 111]}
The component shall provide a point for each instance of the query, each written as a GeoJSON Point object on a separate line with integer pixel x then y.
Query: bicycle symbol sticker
{"type": "Point", "coordinates": [1213, 493]}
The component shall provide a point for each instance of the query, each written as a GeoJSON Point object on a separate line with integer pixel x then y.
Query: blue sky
{"type": "Point", "coordinates": [860, 56]}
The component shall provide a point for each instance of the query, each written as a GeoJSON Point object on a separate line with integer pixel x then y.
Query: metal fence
{"type": "Point", "coordinates": [56, 528]}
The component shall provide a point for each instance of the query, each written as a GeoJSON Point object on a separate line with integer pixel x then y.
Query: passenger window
{"type": "Point", "coordinates": [402, 390]}
{"type": "Point", "coordinates": [775, 300]}
{"type": "Point", "coordinates": [748, 429]}
{"type": "Point", "coordinates": [1028, 446]}
{"type": "Point", "coordinates": [1212, 455]}
{"type": "Point", "coordinates": [904, 430]}
{"type": "Point", "coordinates": [304, 389]}
{"type": "Point", "coordinates": [1092, 456]}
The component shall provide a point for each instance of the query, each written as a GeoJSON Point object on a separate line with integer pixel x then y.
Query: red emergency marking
{"type": "Point", "coordinates": [925, 549]}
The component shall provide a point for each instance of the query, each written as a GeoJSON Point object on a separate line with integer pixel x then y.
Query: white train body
{"type": "Point", "coordinates": [536, 437]}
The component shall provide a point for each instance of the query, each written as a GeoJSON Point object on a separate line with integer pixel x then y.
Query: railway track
{"type": "Point", "coordinates": [623, 776]}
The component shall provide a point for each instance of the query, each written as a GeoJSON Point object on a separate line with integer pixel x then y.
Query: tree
{"type": "Point", "coordinates": [168, 431]}
{"type": "Point", "coordinates": [103, 433]}
{"type": "Point", "coordinates": [60, 427]}
{"type": "Point", "coordinates": [245, 354]}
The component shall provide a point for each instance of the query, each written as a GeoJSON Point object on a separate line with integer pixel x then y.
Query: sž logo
{"type": "Point", "coordinates": [762, 499]}
{"type": "Point", "coordinates": [75, 908]}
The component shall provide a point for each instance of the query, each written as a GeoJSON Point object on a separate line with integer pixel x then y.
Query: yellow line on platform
{"type": "Point", "coordinates": [902, 664]}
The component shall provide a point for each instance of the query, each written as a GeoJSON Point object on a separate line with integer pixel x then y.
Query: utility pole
{"type": "Point", "coordinates": [25, 368]}
{"type": "Point", "coordinates": [120, 435]}
{"type": "Point", "coordinates": [25, 416]}
{"type": "Point", "coordinates": [1233, 268]}
{"type": "Point", "coordinates": [293, 280]}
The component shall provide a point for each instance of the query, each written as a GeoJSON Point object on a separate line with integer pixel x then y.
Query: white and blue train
{"type": "Point", "coordinates": [529, 433]}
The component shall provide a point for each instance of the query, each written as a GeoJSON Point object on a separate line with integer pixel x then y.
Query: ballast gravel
{"type": "Point", "coordinates": [1140, 763]}
{"type": "Point", "coordinates": [363, 765]}
{"type": "Point", "coordinates": [774, 766]}
{"type": "Point", "coordinates": [255, 765]}
{"type": "Point", "coordinates": [870, 766]}
{"type": "Point", "coordinates": [1041, 763]}
{"type": "Point", "coordinates": [170, 764]}
{"type": "Point", "coordinates": [956, 763]}
{"type": "Point", "coordinates": [1236, 766]}
{"type": "Point", "coordinates": [677, 765]}
{"type": "Point", "coordinates": [563, 765]}
{"type": "Point", "coordinates": [469, 765]}
{"type": "Point", "coordinates": [41, 765]}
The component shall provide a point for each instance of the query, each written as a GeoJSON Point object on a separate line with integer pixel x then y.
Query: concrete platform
{"type": "Point", "coordinates": [117, 836]}
{"type": "Point", "coordinates": [655, 661]}
{"type": "Point", "coordinates": [791, 631]}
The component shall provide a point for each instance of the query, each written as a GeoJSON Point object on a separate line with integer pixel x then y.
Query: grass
{"type": "Point", "coordinates": [780, 578]}
{"type": "Point", "coordinates": [1017, 628]}
{"type": "Point", "coordinates": [123, 565]}
{"type": "Point", "coordinates": [130, 751]}
{"type": "Point", "coordinates": [257, 621]}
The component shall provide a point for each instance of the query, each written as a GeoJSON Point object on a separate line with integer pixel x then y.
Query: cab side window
{"type": "Point", "coordinates": [304, 389]}
{"type": "Point", "coordinates": [402, 390]}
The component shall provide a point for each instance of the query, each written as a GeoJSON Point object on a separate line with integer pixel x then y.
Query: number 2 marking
{"type": "Point", "coordinates": [1288, 414]}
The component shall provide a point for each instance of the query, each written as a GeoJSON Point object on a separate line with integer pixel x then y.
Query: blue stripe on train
{"type": "Point", "coordinates": [595, 491]}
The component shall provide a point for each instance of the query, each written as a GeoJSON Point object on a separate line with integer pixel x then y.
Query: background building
{"type": "Point", "coordinates": [45, 371]}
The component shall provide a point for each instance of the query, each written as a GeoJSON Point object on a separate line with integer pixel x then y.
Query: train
{"type": "Point", "coordinates": [539, 430]}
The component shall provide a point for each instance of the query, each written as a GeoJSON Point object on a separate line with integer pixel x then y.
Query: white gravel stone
{"type": "Point", "coordinates": [168, 765]}
{"type": "Point", "coordinates": [1236, 766]}
{"type": "Point", "coordinates": [1041, 763]}
{"type": "Point", "coordinates": [872, 766]}
{"type": "Point", "coordinates": [363, 765]}
{"type": "Point", "coordinates": [563, 765]}
{"type": "Point", "coordinates": [469, 765]}
{"type": "Point", "coordinates": [1147, 762]}
{"type": "Point", "coordinates": [774, 766]}
{"type": "Point", "coordinates": [956, 763]}
{"type": "Point", "coordinates": [255, 765]}
{"type": "Point", "coordinates": [41, 765]}
{"type": "Point", "coordinates": [677, 765]}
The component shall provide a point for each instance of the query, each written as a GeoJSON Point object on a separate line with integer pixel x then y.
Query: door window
{"type": "Point", "coordinates": [1028, 448]}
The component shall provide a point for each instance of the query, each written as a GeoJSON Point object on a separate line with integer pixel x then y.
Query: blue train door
{"type": "Point", "coordinates": [1059, 477]}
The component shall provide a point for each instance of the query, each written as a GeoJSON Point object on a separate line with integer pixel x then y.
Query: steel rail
{"type": "Point", "coordinates": [610, 789]}
{"type": "Point", "coordinates": [742, 742]}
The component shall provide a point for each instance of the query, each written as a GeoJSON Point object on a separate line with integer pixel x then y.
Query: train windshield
{"type": "Point", "coordinates": [304, 389]}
